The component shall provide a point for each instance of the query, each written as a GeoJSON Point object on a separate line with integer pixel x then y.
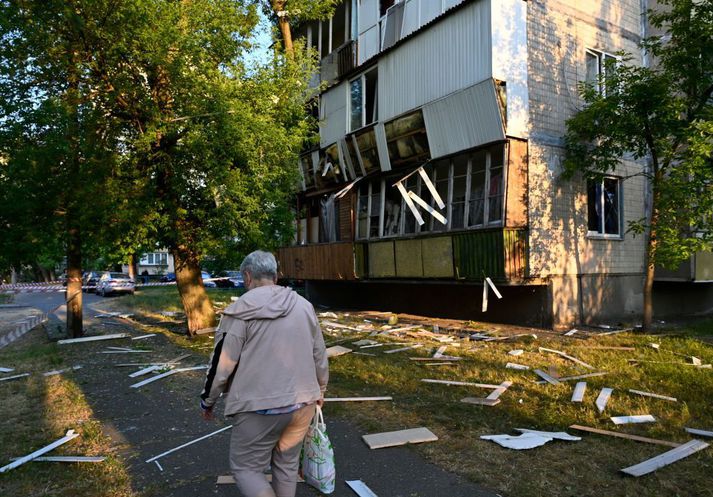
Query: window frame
{"type": "Point", "coordinates": [364, 121]}
{"type": "Point", "coordinates": [601, 75]}
{"type": "Point", "coordinates": [602, 235]}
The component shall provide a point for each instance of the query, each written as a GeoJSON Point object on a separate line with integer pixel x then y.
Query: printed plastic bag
{"type": "Point", "coordinates": [318, 456]}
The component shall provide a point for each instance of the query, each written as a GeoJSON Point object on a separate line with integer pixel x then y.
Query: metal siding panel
{"type": "Point", "coordinates": [464, 120]}
{"type": "Point", "coordinates": [381, 147]}
{"type": "Point", "coordinates": [453, 54]}
{"type": "Point", "coordinates": [368, 44]}
{"type": "Point", "coordinates": [480, 254]}
{"type": "Point", "coordinates": [437, 257]}
{"type": "Point", "coordinates": [368, 14]}
{"type": "Point", "coordinates": [410, 21]}
{"type": "Point", "coordinates": [334, 125]}
{"type": "Point", "coordinates": [381, 260]}
{"type": "Point", "coordinates": [409, 262]}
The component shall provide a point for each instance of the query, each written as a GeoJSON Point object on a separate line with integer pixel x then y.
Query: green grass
{"type": "Point", "coordinates": [38, 410]}
{"type": "Point", "coordinates": [589, 467]}
{"type": "Point", "coordinates": [5, 298]}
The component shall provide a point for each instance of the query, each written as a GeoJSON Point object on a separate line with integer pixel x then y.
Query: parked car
{"type": "Point", "coordinates": [208, 284]}
{"type": "Point", "coordinates": [90, 279]}
{"type": "Point", "coordinates": [114, 283]}
{"type": "Point", "coordinates": [230, 279]}
{"type": "Point", "coordinates": [168, 278]}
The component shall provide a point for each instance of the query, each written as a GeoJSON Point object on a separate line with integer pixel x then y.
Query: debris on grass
{"type": "Point", "coordinates": [627, 436]}
{"type": "Point", "coordinates": [400, 437]}
{"type": "Point", "coordinates": [673, 455]}
{"type": "Point", "coordinates": [60, 371]}
{"type": "Point", "coordinates": [567, 356]}
{"type": "Point", "coordinates": [516, 352]}
{"type": "Point", "coordinates": [357, 399]}
{"type": "Point", "coordinates": [700, 433]}
{"type": "Point", "coordinates": [337, 350]}
{"type": "Point", "coordinates": [6, 370]}
{"type": "Point", "coordinates": [549, 379]}
{"type": "Point", "coordinates": [577, 377]}
{"type": "Point", "coordinates": [521, 367]}
{"type": "Point", "coordinates": [653, 395]}
{"type": "Point", "coordinates": [579, 389]}
{"type": "Point", "coordinates": [402, 349]}
{"type": "Point", "coordinates": [70, 435]}
{"type": "Point", "coordinates": [603, 399]}
{"type": "Point", "coordinates": [638, 418]}
{"type": "Point", "coordinates": [93, 338]}
{"type": "Point", "coordinates": [529, 439]}
{"type": "Point", "coordinates": [167, 373]}
{"type": "Point", "coordinates": [22, 375]}
{"type": "Point", "coordinates": [66, 459]}
{"type": "Point", "coordinates": [156, 458]}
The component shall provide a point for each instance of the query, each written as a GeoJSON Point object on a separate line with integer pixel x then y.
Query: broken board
{"type": "Point", "coordinates": [549, 379]}
{"type": "Point", "coordinates": [673, 455]}
{"type": "Point", "coordinates": [627, 436]}
{"type": "Point", "coordinates": [603, 399]}
{"type": "Point", "coordinates": [337, 350]}
{"type": "Point", "coordinates": [701, 433]}
{"type": "Point", "coordinates": [400, 437]}
{"type": "Point", "coordinates": [360, 488]}
{"type": "Point", "coordinates": [578, 394]}
{"type": "Point", "coordinates": [641, 418]}
{"type": "Point", "coordinates": [654, 395]}
{"type": "Point", "coordinates": [93, 339]}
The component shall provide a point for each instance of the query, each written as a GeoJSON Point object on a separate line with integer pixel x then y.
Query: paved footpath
{"type": "Point", "coordinates": [164, 414]}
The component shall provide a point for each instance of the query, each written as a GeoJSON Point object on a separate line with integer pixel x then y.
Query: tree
{"type": "Point", "coordinates": [290, 12]}
{"type": "Point", "coordinates": [663, 115]}
{"type": "Point", "coordinates": [56, 141]}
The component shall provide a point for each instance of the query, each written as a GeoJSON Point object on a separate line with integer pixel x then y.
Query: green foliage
{"type": "Point", "coordinates": [662, 114]}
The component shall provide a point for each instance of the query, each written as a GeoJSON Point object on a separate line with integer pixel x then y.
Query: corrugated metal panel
{"type": "Point", "coordinates": [437, 257]}
{"type": "Point", "coordinates": [333, 261]}
{"type": "Point", "coordinates": [464, 120]}
{"type": "Point", "coordinates": [381, 147]}
{"type": "Point", "coordinates": [368, 14]}
{"type": "Point", "coordinates": [499, 254]}
{"type": "Point", "coordinates": [431, 65]}
{"type": "Point", "coordinates": [410, 22]}
{"type": "Point", "coordinates": [368, 44]}
{"type": "Point", "coordinates": [409, 261]}
{"type": "Point", "coordinates": [429, 10]}
{"type": "Point", "coordinates": [381, 260]}
{"type": "Point", "coordinates": [334, 124]}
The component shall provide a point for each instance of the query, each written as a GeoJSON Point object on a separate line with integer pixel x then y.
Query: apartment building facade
{"type": "Point", "coordinates": [439, 162]}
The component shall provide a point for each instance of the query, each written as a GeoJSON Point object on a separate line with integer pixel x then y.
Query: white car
{"type": "Point", "coordinates": [114, 283]}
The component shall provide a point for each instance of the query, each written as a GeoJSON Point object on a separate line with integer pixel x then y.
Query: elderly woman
{"type": "Point", "coordinates": [270, 364]}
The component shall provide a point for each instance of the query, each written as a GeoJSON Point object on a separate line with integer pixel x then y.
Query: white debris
{"type": "Point", "coordinates": [516, 352]}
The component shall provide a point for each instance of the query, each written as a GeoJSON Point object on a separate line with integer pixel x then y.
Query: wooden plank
{"type": "Point", "coordinates": [567, 356]}
{"type": "Point", "coordinates": [546, 377]}
{"type": "Point", "coordinates": [70, 435]}
{"type": "Point", "coordinates": [654, 395]}
{"type": "Point", "coordinates": [627, 436]}
{"type": "Point", "coordinates": [337, 350]}
{"type": "Point", "coordinates": [356, 399]}
{"type": "Point", "coordinates": [700, 433]}
{"type": "Point", "coordinates": [579, 389]}
{"type": "Point", "coordinates": [673, 455]}
{"type": "Point", "coordinates": [400, 437]}
{"type": "Point", "coordinates": [462, 383]}
{"type": "Point", "coordinates": [639, 418]}
{"type": "Point", "coordinates": [603, 347]}
{"type": "Point", "coordinates": [360, 488]}
{"type": "Point", "coordinates": [603, 398]}
{"type": "Point", "coordinates": [578, 377]}
{"type": "Point", "coordinates": [499, 390]}
{"type": "Point", "coordinates": [93, 339]}
{"type": "Point", "coordinates": [402, 349]}
{"type": "Point", "coordinates": [480, 401]}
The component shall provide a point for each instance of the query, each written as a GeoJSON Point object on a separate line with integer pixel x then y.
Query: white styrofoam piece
{"type": "Point", "coordinates": [518, 442]}
{"type": "Point", "coordinates": [639, 418]}
{"type": "Point", "coordinates": [559, 435]}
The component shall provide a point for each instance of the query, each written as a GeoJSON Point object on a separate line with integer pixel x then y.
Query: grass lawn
{"type": "Point", "coordinates": [39, 410]}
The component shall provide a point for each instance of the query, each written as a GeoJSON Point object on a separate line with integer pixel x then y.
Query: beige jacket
{"type": "Point", "coordinates": [269, 353]}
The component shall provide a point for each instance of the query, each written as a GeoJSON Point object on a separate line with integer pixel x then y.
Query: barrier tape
{"type": "Point", "coordinates": [28, 325]}
{"type": "Point", "coordinates": [52, 287]}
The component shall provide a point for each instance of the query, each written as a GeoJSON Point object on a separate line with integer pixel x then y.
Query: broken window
{"type": "Point", "coordinates": [339, 26]}
{"type": "Point", "coordinates": [598, 66]}
{"type": "Point", "coordinates": [392, 210]}
{"type": "Point", "coordinates": [603, 211]}
{"type": "Point", "coordinates": [407, 140]}
{"type": "Point", "coordinates": [366, 141]}
{"type": "Point", "coordinates": [441, 179]}
{"type": "Point", "coordinates": [307, 170]}
{"type": "Point", "coordinates": [456, 214]}
{"type": "Point", "coordinates": [487, 188]}
{"type": "Point", "coordinates": [495, 184]}
{"type": "Point", "coordinates": [363, 99]}
{"type": "Point", "coordinates": [362, 211]}
{"type": "Point", "coordinates": [384, 6]}
{"type": "Point", "coordinates": [369, 210]}
{"type": "Point", "coordinates": [375, 210]}
{"type": "Point", "coordinates": [476, 200]}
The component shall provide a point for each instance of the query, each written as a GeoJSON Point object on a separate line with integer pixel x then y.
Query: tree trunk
{"type": "Point", "coordinates": [196, 304]}
{"type": "Point", "coordinates": [278, 6]}
{"type": "Point", "coordinates": [75, 327]}
{"type": "Point", "coordinates": [651, 256]}
{"type": "Point", "coordinates": [133, 269]}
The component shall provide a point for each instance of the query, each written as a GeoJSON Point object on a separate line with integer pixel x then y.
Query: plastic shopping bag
{"type": "Point", "coordinates": [318, 456]}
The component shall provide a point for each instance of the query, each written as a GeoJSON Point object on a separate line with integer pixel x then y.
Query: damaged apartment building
{"type": "Point", "coordinates": [439, 161]}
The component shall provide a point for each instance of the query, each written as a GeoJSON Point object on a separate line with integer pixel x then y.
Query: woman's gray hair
{"type": "Point", "coordinates": [259, 264]}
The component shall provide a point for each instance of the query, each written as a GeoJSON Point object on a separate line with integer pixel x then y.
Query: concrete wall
{"type": "Point", "coordinates": [591, 278]}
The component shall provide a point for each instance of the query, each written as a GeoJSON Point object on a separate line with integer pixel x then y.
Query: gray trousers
{"type": "Point", "coordinates": [261, 440]}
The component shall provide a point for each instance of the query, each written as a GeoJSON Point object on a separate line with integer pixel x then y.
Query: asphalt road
{"type": "Point", "coordinates": [48, 301]}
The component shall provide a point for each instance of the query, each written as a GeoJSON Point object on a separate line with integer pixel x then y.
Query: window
{"type": "Point", "coordinates": [154, 259]}
{"type": "Point", "coordinates": [369, 210]}
{"type": "Point", "coordinates": [363, 100]}
{"type": "Point", "coordinates": [307, 170]}
{"type": "Point", "coordinates": [366, 142]}
{"type": "Point", "coordinates": [603, 207]}
{"type": "Point", "coordinates": [486, 187]}
{"type": "Point", "coordinates": [598, 63]}
{"type": "Point", "coordinates": [407, 141]}
{"type": "Point", "coordinates": [384, 6]}
{"type": "Point", "coordinates": [330, 169]}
